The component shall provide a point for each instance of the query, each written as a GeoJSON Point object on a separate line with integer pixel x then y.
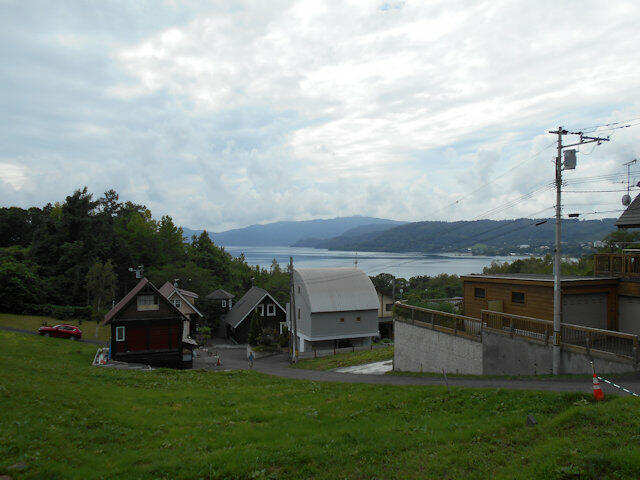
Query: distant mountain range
{"type": "Point", "coordinates": [454, 236]}
{"type": "Point", "coordinates": [290, 233]}
{"type": "Point", "coordinates": [378, 234]}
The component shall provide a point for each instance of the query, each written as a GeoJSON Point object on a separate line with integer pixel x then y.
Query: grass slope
{"type": "Point", "coordinates": [66, 419]}
{"type": "Point", "coordinates": [33, 322]}
{"type": "Point", "coordinates": [346, 359]}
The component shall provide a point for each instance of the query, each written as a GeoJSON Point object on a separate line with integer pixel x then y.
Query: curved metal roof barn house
{"type": "Point", "coordinates": [334, 307]}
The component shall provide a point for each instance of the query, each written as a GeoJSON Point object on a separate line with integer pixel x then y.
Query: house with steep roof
{"type": "Point", "coordinates": [334, 307]}
{"type": "Point", "coordinates": [222, 299]}
{"type": "Point", "coordinates": [183, 300]}
{"type": "Point", "coordinates": [238, 320]}
{"type": "Point", "coordinates": [146, 327]}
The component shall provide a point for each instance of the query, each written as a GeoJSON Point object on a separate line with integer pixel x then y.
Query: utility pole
{"type": "Point", "coordinates": [569, 164]}
{"type": "Point", "coordinates": [292, 314]}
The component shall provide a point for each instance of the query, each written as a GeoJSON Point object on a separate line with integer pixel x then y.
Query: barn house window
{"type": "Point", "coordinates": [271, 310]}
{"type": "Point", "coordinates": [176, 302]}
{"type": "Point", "coordinates": [119, 334]}
{"type": "Point", "coordinates": [388, 307]}
{"type": "Point", "coordinates": [341, 319]}
{"type": "Point", "coordinates": [479, 293]}
{"type": "Point", "coordinates": [357, 319]}
{"type": "Point", "coordinates": [260, 310]}
{"type": "Point", "coordinates": [148, 302]}
{"type": "Point", "coordinates": [224, 303]}
{"type": "Point", "coordinates": [517, 297]}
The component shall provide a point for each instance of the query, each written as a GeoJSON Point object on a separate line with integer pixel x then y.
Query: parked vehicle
{"type": "Point", "coordinates": [63, 331]}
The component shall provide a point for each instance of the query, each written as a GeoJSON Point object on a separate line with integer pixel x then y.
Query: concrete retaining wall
{"type": "Point", "coordinates": [422, 349]}
{"type": "Point", "coordinates": [504, 355]}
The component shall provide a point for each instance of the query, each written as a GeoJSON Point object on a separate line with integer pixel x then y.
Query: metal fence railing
{"type": "Point", "coordinates": [596, 339]}
{"type": "Point", "coordinates": [518, 325]}
{"type": "Point", "coordinates": [586, 339]}
{"type": "Point", "coordinates": [450, 322]}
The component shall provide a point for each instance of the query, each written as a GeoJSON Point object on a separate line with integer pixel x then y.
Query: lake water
{"type": "Point", "coordinates": [405, 265]}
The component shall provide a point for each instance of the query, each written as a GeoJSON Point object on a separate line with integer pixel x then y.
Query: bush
{"type": "Point", "coordinates": [283, 339]}
{"type": "Point", "coordinates": [61, 312]}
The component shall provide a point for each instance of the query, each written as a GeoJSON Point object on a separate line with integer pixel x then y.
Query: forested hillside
{"type": "Point", "coordinates": [78, 252]}
{"type": "Point", "coordinates": [487, 235]}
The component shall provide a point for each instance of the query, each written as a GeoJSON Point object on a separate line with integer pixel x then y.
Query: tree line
{"type": "Point", "coordinates": [79, 252]}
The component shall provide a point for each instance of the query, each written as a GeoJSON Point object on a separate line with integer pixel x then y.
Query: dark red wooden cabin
{"type": "Point", "coordinates": [146, 328]}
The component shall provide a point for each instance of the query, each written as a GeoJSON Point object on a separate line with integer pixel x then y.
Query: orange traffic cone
{"type": "Point", "coordinates": [597, 391]}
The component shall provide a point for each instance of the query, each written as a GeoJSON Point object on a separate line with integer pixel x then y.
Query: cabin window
{"type": "Point", "coordinates": [388, 307]}
{"type": "Point", "coordinates": [148, 302]}
{"type": "Point", "coordinates": [517, 297]}
{"type": "Point", "coordinates": [119, 334]}
{"type": "Point", "coordinates": [271, 310]}
{"type": "Point", "coordinates": [224, 303]}
{"type": "Point", "coordinates": [229, 303]}
{"type": "Point", "coordinates": [357, 319]}
{"type": "Point", "coordinates": [176, 302]}
{"type": "Point", "coordinates": [479, 293]}
{"type": "Point", "coordinates": [341, 319]}
{"type": "Point", "coordinates": [260, 310]}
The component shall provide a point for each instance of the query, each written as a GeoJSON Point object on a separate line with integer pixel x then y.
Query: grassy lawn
{"type": "Point", "coordinates": [32, 322]}
{"type": "Point", "coordinates": [66, 419]}
{"type": "Point", "coordinates": [346, 359]}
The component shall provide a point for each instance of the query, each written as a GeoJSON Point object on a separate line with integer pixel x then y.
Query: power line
{"type": "Point", "coordinates": [594, 191]}
{"type": "Point", "coordinates": [493, 180]}
{"type": "Point", "coordinates": [611, 124]}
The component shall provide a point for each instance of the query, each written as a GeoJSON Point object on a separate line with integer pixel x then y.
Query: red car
{"type": "Point", "coordinates": [64, 331]}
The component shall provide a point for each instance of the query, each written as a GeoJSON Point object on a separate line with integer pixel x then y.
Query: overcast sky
{"type": "Point", "coordinates": [224, 114]}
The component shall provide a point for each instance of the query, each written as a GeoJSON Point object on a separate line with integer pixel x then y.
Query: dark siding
{"type": "Point", "coordinates": [152, 337]}
{"type": "Point", "coordinates": [241, 333]}
{"type": "Point", "coordinates": [136, 337]}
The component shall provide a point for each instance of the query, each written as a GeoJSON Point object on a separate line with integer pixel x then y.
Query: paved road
{"type": "Point", "coordinates": [19, 330]}
{"type": "Point", "coordinates": [277, 365]}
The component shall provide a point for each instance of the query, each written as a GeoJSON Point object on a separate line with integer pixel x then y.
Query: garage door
{"type": "Point", "coordinates": [588, 310]}
{"type": "Point", "coordinates": [629, 319]}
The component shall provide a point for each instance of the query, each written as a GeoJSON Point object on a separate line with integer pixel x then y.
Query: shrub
{"type": "Point", "coordinates": [61, 312]}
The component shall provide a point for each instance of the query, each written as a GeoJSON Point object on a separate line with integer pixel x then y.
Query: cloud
{"type": "Point", "coordinates": [223, 115]}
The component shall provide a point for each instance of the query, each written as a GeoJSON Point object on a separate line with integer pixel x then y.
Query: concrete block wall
{"type": "Point", "coordinates": [422, 349]}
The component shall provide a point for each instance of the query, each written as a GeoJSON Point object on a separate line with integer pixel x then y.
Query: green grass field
{"type": "Point", "coordinates": [66, 419]}
{"type": "Point", "coordinates": [33, 322]}
{"type": "Point", "coordinates": [346, 359]}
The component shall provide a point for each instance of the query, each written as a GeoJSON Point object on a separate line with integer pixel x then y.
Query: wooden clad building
{"type": "Point", "coordinates": [147, 328]}
{"type": "Point", "coordinates": [588, 301]}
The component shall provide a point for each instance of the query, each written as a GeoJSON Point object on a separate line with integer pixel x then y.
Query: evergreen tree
{"type": "Point", "coordinates": [255, 329]}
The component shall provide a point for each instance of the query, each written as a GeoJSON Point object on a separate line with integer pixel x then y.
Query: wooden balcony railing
{"type": "Point", "coordinates": [624, 264]}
